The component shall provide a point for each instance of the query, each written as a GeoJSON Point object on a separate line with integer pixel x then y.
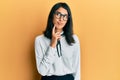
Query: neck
{"type": "Point", "coordinates": [58, 30]}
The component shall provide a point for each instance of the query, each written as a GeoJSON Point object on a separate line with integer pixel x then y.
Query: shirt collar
{"type": "Point", "coordinates": [62, 33]}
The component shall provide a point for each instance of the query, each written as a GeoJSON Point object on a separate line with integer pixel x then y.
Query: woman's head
{"type": "Point", "coordinates": [61, 17]}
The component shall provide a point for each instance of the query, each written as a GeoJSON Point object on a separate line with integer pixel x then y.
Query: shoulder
{"type": "Point", "coordinates": [76, 38]}
{"type": "Point", "coordinates": [39, 37]}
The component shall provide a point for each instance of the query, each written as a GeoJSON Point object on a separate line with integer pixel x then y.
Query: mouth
{"type": "Point", "coordinates": [59, 23]}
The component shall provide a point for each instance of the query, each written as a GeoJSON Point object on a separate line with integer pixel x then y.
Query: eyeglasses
{"type": "Point", "coordinates": [58, 15]}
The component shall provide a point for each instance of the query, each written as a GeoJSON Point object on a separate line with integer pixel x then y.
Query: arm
{"type": "Point", "coordinates": [76, 62]}
{"type": "Point", "coordinates": [44, 59]}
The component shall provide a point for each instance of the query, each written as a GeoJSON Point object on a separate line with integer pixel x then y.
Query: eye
{"type": "Point", "coordinates": [58, 13]}
{"type": "Point", "coordinates": [65, 16]}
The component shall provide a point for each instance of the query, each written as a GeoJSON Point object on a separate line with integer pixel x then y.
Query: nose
{"type": "Point", "coordinates": [61, 18]}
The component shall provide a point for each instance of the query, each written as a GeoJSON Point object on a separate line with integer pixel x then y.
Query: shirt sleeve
{"type": "Point", "coordinates": [44, 58]}
{"type": "Point", "coordinates": [76, 65]}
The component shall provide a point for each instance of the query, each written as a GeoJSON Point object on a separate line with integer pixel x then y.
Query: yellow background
{"type": "Point", "coordinates": [96, 22]}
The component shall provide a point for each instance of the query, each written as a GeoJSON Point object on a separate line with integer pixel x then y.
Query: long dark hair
{"type": "Point", "coordinates": [68, 28]}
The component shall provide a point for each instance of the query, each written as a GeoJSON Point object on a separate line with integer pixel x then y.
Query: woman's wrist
{"type": "Point", "coordinates": [52, 45]}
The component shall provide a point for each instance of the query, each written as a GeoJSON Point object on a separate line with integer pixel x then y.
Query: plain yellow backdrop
{"type": "Point", "coordinates": [96, 22]}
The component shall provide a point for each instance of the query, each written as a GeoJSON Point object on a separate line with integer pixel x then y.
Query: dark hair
{"type": "Point", "coordinates": [68, 28]}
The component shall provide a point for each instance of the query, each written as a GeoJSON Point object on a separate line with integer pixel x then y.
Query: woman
{"type": "Point", "coordinates": [58, 50]}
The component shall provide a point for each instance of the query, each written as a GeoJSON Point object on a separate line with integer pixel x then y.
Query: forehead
{"type": "Point", "coordinates": [62, 10]}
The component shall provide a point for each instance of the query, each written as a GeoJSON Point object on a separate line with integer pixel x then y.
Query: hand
{"type": "Point", "coordinates": [55, 37]}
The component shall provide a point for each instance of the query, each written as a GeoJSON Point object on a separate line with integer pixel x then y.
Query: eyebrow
{"type": "Point", "coordinates": [62, 14]}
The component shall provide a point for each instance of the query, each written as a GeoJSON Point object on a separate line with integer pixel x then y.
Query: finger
{"type": "Point", "coordinates": [58, 38]}
{"type": "Point", "coordinates": [57, 33]}
{"type": "Point", "coordinates": [53, 30]}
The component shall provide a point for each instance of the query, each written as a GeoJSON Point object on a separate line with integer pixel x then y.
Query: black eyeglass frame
{"type": "Point", "coordinates": [61, 15]}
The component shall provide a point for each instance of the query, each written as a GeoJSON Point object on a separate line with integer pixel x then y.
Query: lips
{"type": "Point", "coordinates": [59, 23]}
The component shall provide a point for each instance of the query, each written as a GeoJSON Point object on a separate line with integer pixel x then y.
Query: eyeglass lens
{"type": "Point", "coordinates": [59, 15]}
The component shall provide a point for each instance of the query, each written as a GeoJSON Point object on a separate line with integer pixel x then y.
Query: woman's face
{"type": "Point", "coordinates": [60, 18]}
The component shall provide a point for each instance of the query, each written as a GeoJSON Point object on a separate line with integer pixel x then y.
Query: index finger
{"type": "Point", "coordinates": [53, 30]}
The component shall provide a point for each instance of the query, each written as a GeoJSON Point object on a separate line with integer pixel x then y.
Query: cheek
{"type": "Point", "coordinates": [64, 23]}
{"type": "Point", "coordinates": [54, 21]}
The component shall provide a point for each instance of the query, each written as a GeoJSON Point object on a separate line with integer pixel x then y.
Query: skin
{"type": "Point", "coordinates": [58, 27]}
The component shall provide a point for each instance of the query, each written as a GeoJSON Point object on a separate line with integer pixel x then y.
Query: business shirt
{"type": "Point", "coordinates": [49, 63]}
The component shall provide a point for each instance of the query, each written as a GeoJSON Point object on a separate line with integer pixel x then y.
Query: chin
{"type": "Point", "coordinates": [59, 27]}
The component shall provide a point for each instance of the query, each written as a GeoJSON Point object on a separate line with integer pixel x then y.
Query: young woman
{"type": "Point", "coordinates": [58, 49]}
